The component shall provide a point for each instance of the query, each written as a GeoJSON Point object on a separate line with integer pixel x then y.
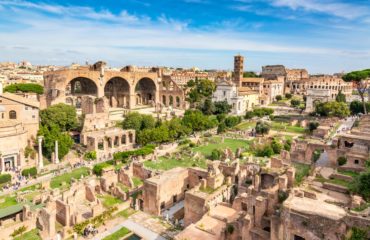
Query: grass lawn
{"type": "Point", "coordinates": [30, 235]}
{"type": "Point", "coordinates": [56, 182]}
{"type": "Point", "coordinates": [123, 187]}
{"type": "Point", "coordinates": [118, 235]}
{"type": "Point", "coordinates": [233, 144]}
{"type": "Point", "coordinates": [165, 163]}
{"type": "Point", "coordinates": [285, 127]}
{"type": "Point", "coordinates": [246, 125]}
{"type": "Point", "coordinates": [109, 200]}
{"type": "Point", "coordinates": [208, 190]}
{"type": "Point", "coordinates": [348, 173]}
{"type": "Point", "coordinates": [137, 181]}
{"type": "Point", "coordinates": [8, 201]}
{"type": "Point", "coordinates": [340, 182]}
{"type": "Point", "coordinates": [126, 213]}
{"type": "Point", "coordinates": [302, 171]}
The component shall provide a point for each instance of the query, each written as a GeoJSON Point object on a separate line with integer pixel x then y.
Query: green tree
{"type": "Point", "coordinates": [295, 102]}
{"type": "Point", "coordinates": [232, 121]}
{"type": "Point", "coordinates": [25, 87]}
{"type": "Point", "coordinates": [340, 97]}
{"type": "Point", "coordinates": [134, 120]}
{"type": "Point", "coordinates": [222, 107]}
{"type": "Point", "coordinates": [262, 128]}
{"type": "Point", "coordinates": [250, 75]}
{"type": "Point", "coordinates": [199, 90]}
{"type": "Point", "coordinates": [361, 185]}
{"type": "Point", "coordinates": [332, 109]}
{"type": "Point", "coordinates": [356, 107]}
{"type": "Point", "coordinates": [208, 108]}
{"type": "Point", "coordinates": [61, 115]}
{"type": "Point", "coordinates": [288, 95]}
{"type": "Point", "coordinates": [197, 121]}
{"type": "Point", "coordinates": [51, 134]}
{"type": "Point", "coordinates": [221, 127]}
{"type": "Point", "coordinates": [278, 98]}
{"type": "Point", "coordinates": [358, 78]}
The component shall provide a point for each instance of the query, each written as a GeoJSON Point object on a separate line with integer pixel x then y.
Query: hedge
{"type": "Point", "coordinates": [29, 172]}
{"type": "Point", "coordinates": [123, 156]}
{"type": "Point", "coordinates": [98, 168]}
{"type": "Point", "coordinates": [4, 178]}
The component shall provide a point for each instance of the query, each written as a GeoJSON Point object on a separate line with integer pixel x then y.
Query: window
{"type": "Point", "coordinates": [357, 161]}
{"type": "Point", "coordinates": [12, 114]}
{"type": "Point", "coordinates": [224, 93]}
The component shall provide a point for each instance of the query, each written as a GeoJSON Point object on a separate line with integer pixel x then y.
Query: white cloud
{"type": "Point", "coordinates": [67, 34]}
{"type": "Point", "coordinates": [338, 9]}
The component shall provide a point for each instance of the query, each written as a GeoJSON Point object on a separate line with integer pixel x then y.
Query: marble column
{"type": "Point", "coordinates": [41, 162]}
{"type": "Point", "coordinates": [56, 159]}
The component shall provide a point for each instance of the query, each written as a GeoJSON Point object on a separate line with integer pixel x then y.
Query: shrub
{"type": "Point", "coordinates": [90, 155]}
{"type": "Point", "coordinates": [278, 98]}
{"type": "Point", "coordinates": [221, 127]}
{"type": "Point", "coordinates": [262, 128]}
{"type": "Point", "coordinates": [264, 151]}
{"type": "Point", "coordinates": [230, 229]}
{"type": "Point", "coordinates": [249, 115]}
{"type": "Point", "coordinates": [316, 155]}
{"type": "Point", "coordinates": [312, 126]}
{"type": "Point", "coordinates": [216, 154]}
{"type": "Point", "coordinates": [232, 121]}
{"type": "Point", "coordinates": [32, 172]}
{"type": "Point", "coordinates": [342, 160]}
{"type": "Point", "coordinates": [295, 102]}
{"type": "Point", "coordinates": [358, 234]}
{"type": "Point", "coordinates": [4, 178]}
{"type": "Point", "coordinates": [288, 95]}
{"type": "Point", "coordinates": [184, 141]}
{"type": "Point", "coordinates": [123, 156]}
{"type": "Point", "coordinates": [192, 144]}
{"type": "Point", "coordinates": [276, 146]}
{"type": "Point", "coordinates": [98, 168]}
{"type": "Point", "coordinates": [19, 231]}
{"type": "Point", "coordinates": [288, 145]}
{"type": "Point", "coordinates": [282, 196]}
{"type": "Point", "coordinates": [361, 185]}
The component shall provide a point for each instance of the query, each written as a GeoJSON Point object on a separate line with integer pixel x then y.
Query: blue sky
{"type": "Point", "coordinates": [323, 36]}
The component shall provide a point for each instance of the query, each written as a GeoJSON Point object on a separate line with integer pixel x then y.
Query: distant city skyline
{"type": "Point", "coordinates": [322, 36]}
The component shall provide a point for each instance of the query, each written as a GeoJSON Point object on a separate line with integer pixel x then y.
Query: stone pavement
{"type": "Point", "coordinates": [141, 231]}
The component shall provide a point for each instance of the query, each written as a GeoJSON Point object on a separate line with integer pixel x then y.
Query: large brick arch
{"type": "Point", "coordinates": [117, 90]}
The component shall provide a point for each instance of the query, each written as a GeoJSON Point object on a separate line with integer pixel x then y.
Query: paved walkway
{"type": "Point", "coordinates": [141, 231]}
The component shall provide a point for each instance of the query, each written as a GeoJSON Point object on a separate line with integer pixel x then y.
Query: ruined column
{"type": "Point", "coordinates": [40, 163]}
{"type": "Point", "coordinates": [56, 153]}
{"type": "Point", "coordinates": [2, 164]}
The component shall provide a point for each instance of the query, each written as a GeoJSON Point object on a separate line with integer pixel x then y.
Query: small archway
{"type": "Point", "coordinates": [164, 100]}
{"type": "Point", "coordinates": [145, 91]}
{"type": "Point", "coordinates": [171, 101]}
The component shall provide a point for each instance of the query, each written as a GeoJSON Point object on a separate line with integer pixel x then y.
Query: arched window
{"type": "Point", "coordinates": [77, 87]}
{"type": "Point", "coordinates": [12, 114]}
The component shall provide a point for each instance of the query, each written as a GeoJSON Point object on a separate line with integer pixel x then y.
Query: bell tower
{"type": "Point", "coordinates": [238, 69]}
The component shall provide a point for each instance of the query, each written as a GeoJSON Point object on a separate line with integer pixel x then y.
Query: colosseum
{"type": "Point", "coordinates": [126, 89]}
